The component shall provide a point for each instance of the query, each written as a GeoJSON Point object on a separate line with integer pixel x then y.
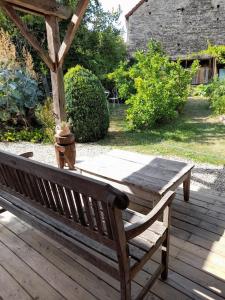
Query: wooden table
{"type": "Point", "coordinates": [144, 178]}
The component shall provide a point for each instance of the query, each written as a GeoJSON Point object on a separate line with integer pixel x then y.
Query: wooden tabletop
{"type": "Point", "coordinates": [149, 173]}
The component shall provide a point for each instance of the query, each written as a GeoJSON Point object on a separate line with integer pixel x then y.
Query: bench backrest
{"type": "Point", "coordinates": [89, 206]}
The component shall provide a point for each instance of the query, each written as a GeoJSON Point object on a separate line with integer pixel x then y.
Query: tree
{"type": "Point", "coordinates": [98, 45]}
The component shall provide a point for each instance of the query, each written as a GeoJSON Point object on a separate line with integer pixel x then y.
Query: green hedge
{"type": "Point", "coordinates": [86, 105]}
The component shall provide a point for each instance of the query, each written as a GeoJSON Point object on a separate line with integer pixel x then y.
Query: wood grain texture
{"type": "Point", "coordinates": [10, 289]}
{"type": "Point", "coordinates": [33, 283]}
{"type": "Point", "coordinates": [53, 38]}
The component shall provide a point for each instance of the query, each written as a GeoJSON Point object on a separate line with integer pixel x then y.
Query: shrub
{"type": "Point", "coordinates": [28, 135]}
{"type": "Point", "coordinates": [123, 81]}
{"type": "Point", "coordinates": [216, 92]}
{"type": "Point", "coordinates": [19, 93]}
{"type": "Point", "coordinates": [161, 87]}
{"type": "Point", "coordinates": [86, 105]}
{"type": "Point", "coordinates": [200, 90]}
{"type": "Point", "coordinates": [44, 114]}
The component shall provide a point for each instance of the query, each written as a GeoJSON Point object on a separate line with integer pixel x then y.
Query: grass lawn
{"type": "Point", "coordinates": [195, 135]}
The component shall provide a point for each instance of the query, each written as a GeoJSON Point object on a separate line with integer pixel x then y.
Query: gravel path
{"type": "Point", "coordinates": [46, 153]}
{"type": "Point", "coordinates": [203, 176]}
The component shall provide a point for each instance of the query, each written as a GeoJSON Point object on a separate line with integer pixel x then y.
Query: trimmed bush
{"type": "Point", "coordinates": [86, 105]}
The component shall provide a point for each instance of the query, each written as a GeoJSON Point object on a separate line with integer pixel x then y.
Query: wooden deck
{"type": "Point", "coordinates": [34, 267]}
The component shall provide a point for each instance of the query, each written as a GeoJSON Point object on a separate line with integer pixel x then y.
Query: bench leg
{"type": "Point", "coordinates": [165, 258]}
{"type": "Point", "coordinates": [186, 185]}
{"type": "Point", "coordinates": [125, 289]}
{"type": "Point", "coordinates": [166, 244]}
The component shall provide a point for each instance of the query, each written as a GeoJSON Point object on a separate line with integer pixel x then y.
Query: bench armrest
{"type": "Point", "coordinates": [27, 154]}
{"type": "Point", "coordinates": [139, 227]}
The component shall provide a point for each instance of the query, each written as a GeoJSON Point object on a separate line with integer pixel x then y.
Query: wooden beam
{"type": "Point", "coordinates": [57, 79]}
{"type": "Point", "coordinates": [215, 70]}
{"type": "Point", "coordinates": [45, 7]}
{"type": "Point", "coordinates": [35, 13]}
{"type": "Point", "coordinates": [10, 12]}
{"type": "Point", "coordinates": [72, 29]}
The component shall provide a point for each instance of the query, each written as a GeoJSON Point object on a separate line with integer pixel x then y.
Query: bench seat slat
{"type": "Point", "coordinates": [88, 212]}
{"type": "Point", "coordinates": [97, 216]}
{"type": "Point", "coordinates": [36, 191]}
{"type": "Point", "coordinates": [71, 204]}
{"type": "Point", "coordinates": [107, 222]}
{"type": "Point", "coordinates": [24, 187]}
{"type": "Point", "coordinates": [2, 176]}
{"type": "Point", "coordinates": [49, 194]}
{"type": "Point", "coordinates": [56, 199]}
{"type": "Point", "coordinates": [7, 177]}
{"type": "Point", "coordinates": [42, 193]}
{"type": "Point", "coordinates": [26, 184]}
{"type": "Point", "coordinates": [12, 174]}
{"type": "Point", "coordinates": [79, 206]}
{"type": "Point", "coordinates": [64, 201]}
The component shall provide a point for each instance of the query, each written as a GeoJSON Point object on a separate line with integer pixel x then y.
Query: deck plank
{"type": "Point", "coordinates": [59, 280]}
{"type": "Point", "coordinates": [9, 287]}
{"type": "Point", "coordinates": [34, 285]}
{"type": "Point", "coordinates": [69, 266]}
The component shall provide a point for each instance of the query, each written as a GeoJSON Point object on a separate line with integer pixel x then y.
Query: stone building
{"type": "Point", "coordinates": [182, 27]}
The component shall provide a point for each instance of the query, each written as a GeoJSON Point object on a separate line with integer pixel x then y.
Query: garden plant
{"type": "Point", "coordinates": [154, 87]}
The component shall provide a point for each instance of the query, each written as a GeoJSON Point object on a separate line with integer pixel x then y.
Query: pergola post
{"type": "Point", "coordinates": [58, 94]}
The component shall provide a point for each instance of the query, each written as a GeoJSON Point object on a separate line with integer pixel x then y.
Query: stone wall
{"type": "Point", "coordinates": [182, 26]}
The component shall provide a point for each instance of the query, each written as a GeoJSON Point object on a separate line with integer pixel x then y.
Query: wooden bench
{"type": "Point", "coordinates": [87, 216]}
